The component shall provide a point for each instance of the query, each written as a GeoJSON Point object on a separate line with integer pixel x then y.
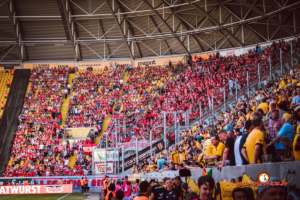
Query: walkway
{"type": "Point", "coordinates": [93, 196]}
{"type": "Point", "coordinates": [65, 103]}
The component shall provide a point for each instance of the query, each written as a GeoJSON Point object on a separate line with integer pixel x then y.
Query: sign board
{"type": "Point", "coordinates": [99, 167]}
{"type": "Point", "coordinates": [47, 65]}
{"type": "Point", "coordinates": [158, 61]}
{"type": "Point", "coordinates": [88, 147]}
{"type": "Point", "coordinates": [100, 65]}
{"type": "Point", "coordinates": [36, 189]}
{"type": "Point", "coordinates": [78, 133]}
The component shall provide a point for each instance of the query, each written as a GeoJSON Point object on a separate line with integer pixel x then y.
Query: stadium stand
{"type": "Point", "coordinates": [140, 95]}
{"type": "Point", "coordinates": [5, 77]}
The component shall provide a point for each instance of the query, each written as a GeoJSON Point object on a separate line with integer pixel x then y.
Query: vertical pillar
{"type": "Point", "coordinates": [224, 93]}
{"type": "Point", "coordinates": [281, 70]}
{"type": "Point", "coordinates": [270, 63]}
{"type": "Point", "coordinates": [165, 129]}
{"type": "Point", "coordinates": [106, 141]}
{"type": "Point", "coordinates": [105, 161]}
{"type": "Point", "coordinates": [124, 126]}
{"type": "Point", "coordinates": [292, 54]}
{"type": "Point", "coordinates": [151, 144]}
{"type": "Point", "coordinates": [236, 90]}
{"type": "Point", "coordinates": [122, 158]}
{"type": "Point", "coordinates": [175, 127]}
{"type": "Point", "coordinates": [137, 151]}
{"type": "Point", "coordinates": [200, 113]}
{"type": "Point", "coordinates": [212, 104]}
{"type": "Point", "coordinates": [248, 87]}
{"type": "Point", "coordinates": [258, 68]}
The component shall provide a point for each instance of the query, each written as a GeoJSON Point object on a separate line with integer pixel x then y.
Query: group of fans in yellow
{"type": "Point", "coordinates": [262, 129]}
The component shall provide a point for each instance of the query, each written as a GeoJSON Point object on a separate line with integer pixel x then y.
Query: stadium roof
{"type": "Point", "coordinates": [78, 30]}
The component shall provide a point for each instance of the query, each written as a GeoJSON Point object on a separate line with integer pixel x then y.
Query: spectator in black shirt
{"type": "Point", "coordinates": [177, 186]}
{"type": "Point", "coordinates": [170, 192]}
{"type": "Point", "coordinates": [229, 148]}
{"type": "Point", "coordinates": [248, 128]}
{"type": "Point", "coordinates": [157, 192]}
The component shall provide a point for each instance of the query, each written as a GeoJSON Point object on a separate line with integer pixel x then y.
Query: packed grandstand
{"type": "Point", "coordinates": [263, 124]}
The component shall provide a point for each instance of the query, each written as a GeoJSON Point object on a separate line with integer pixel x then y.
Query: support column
{"type": "Point", "coordinates": [137, 151]}
{"type": "Point", "coordinates": [200, 113]}
{"type": "Point", "coordinates": [281, 70]}
{"type": "Point", "coordinates": [151, 144]}
{"type": "Point", "coordinates": [258, 68]}
{"type": "Point", "coordinates": [292, 54]}
{"type": "Point", "coordinates": [175, 128]}
{"type": "Point", "coordinates": [122, 158]}
{"type": "Point", "coordinates": [105, 161]}
{"type": "Point", "coordinates": [248, 87]}
{"type": "Point", "coordinates": [165, 130]}
{"type": "Point", "coordinates": [212, 104]}
{"type": "Point", "coordinates": [270, 63]}
{"type": "Point", "coordinates": [236, 90]}
{"type": "Point", "coordinates": [224, 93]}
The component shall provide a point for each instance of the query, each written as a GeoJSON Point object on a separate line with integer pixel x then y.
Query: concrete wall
{"type": "Point", "coordinates": [278, 170]}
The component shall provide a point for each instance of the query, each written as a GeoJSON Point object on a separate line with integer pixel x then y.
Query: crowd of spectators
{"type": "Point", "coordinates": [147, 93]}
{"type": "Point", "coordinates": [263, 129]}
{"type": "Point", "coordinates": [173, 188]}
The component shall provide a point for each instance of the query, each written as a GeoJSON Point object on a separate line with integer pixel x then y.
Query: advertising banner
{"type": "Point", "coordinates": [58, 147]}
{"type": "Point", "coordinates": [131, 146]}
{"type": "Point", "coordinates": [36, 189]}
{"type": "Point", "coordinates": [99, 167]}
{"type": "Point", "coordinates": [100, 65]}
{"type": "Point", "coordinates": [88, 148]}
{"type": "Point", "coordinates": [47, 65]}
{"type": "Point", "coordinates": [159, 61]}
{"type": "Point", "coordinates": [78, 133]}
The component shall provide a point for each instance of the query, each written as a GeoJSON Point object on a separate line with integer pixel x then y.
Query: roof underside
{"type": "Point", "coordinates": [130, 29]}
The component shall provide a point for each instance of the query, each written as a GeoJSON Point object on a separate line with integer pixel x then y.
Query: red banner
{"type": "Point", "coordinates": [88, 147]}
{"type": "Point", "coordinates": [35, 189]}
{"type": "Point", "coordinates": [59, 148]}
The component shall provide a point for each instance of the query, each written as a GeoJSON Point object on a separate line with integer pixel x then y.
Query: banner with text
{"type": "Point", "coordinates": [47, 65]}
{"type": "Point", "coordinates": [131, 146]}
{"type": "Point", "coordinates": [99, 168]}
{"type": "Point", "coordinates": [88, 147]}
{"type": "Point", "coordinates": [36, 189]}
{"type": "Point", "coordinates": [100, 65]}
{"type": "Point", "coordinates": [158, 61]}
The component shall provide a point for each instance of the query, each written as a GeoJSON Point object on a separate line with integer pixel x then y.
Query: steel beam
{"type": "Point", "coordinates": [120, 29]}
{"type": "Point", "coordinates": [16, 29]}
{"type": "Point", "coordinates": [167, 25]}
{"type": "Point", "coordinates": [261, 13]}
{"type": "Point", "coordinates": [65, 12]}
{"type": "Point", "coordinates": [130, 29]}
{"type": "Point", "coordinates": [103, 33]}
{"type": "Point", "coordinates": [165, 41]}
{"type": "Point", "coordinates": [211, 18]}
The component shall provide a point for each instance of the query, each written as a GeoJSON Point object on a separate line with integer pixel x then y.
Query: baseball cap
{"type": "Point", "coordinates": [287, 115]}
{"type": "Point", "coordinates": [298, 107]}
{"type": "Point", "coordinates": [263, 188]}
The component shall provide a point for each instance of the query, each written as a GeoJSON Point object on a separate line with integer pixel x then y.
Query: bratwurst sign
{"type": "Point", "coordinates": [36, 189]}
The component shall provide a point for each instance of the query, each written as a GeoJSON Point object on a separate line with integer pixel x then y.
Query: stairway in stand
{"type": "Point", "coordinates": [65, 103]}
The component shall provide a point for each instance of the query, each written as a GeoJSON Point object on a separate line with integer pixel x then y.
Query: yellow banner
{"type": "Point", "coordinates": [158, 61]}
{"type": "Point", "coordinates": [78, 133]}
{"type": "Point", "coordinates": [46, 65]}
{"type": "Point", "coordinates": [100, 65]}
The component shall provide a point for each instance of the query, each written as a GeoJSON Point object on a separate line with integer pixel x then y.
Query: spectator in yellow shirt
{"type": "Point", "coordinates": [218, 149]}
{"type": "Point", "coordinates": [263, 105]}
{"type": "Point", "coordinates": [282, 83]}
